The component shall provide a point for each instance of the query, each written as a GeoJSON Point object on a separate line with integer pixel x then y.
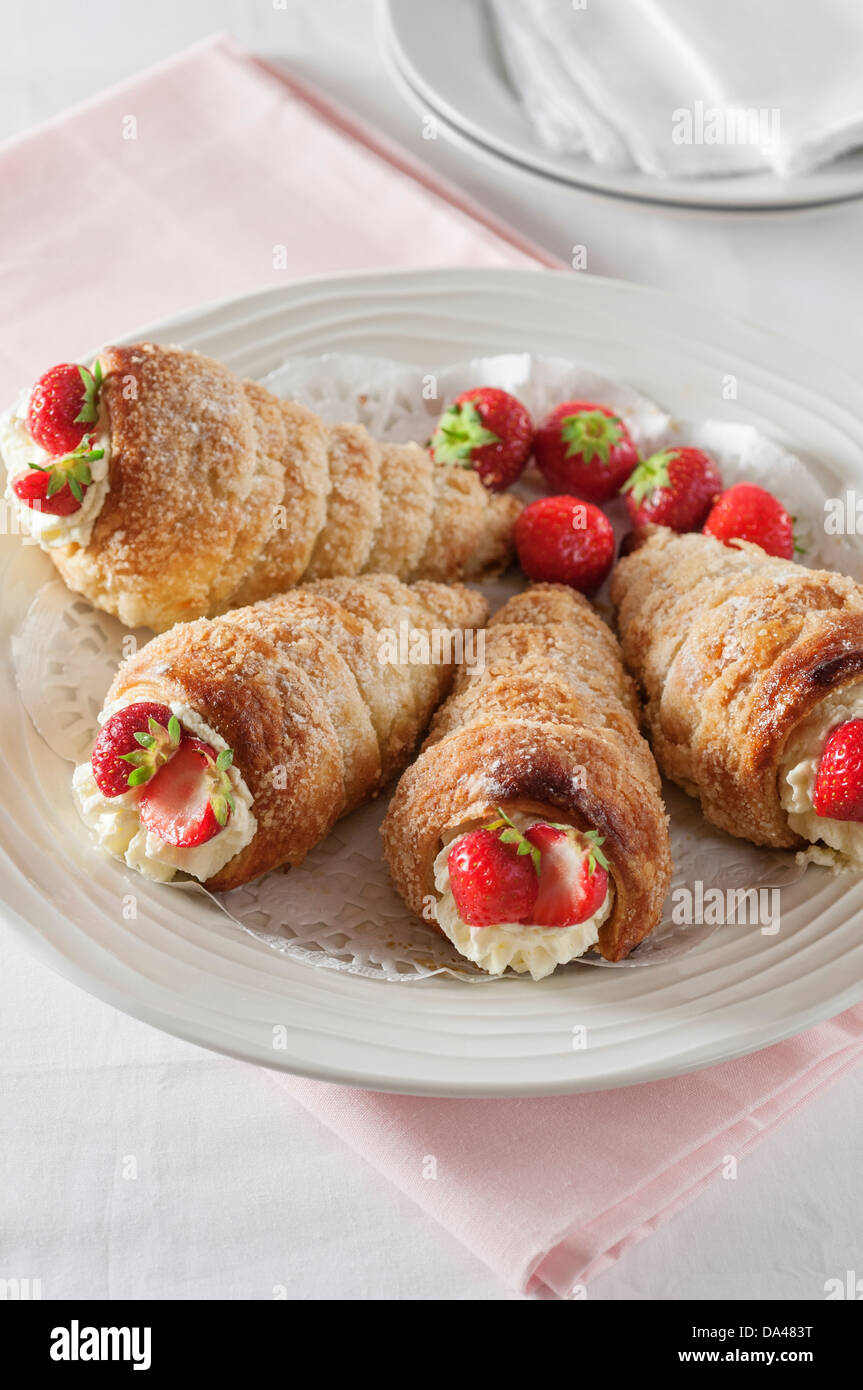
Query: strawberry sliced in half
{"type": "Point", "coordinates": [573, 876]}
{"type": "Point", "coordinates": [58, 486]}
{"type": "Point", "coordinates": [190, 799]}
{"type": "Point", "coordinates": [133, 744]}
{"type": "Point", "coordinates": [491, 880]}
{"type": "Point", "coordinates": [32, 489]}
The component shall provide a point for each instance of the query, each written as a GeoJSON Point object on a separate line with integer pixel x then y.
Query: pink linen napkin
{"type": "Point", "coordinates": [173, 190]}
{"type": "Point", "coordinates": [622, 1161]}
{"type": "Point", "coordinates": [208, 176]}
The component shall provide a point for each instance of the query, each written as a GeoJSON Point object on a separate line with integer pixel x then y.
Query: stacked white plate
{"type": "Point", "coordinates": [446, 61]}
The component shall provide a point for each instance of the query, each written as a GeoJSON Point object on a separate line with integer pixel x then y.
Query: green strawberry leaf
{"type": "Point", "coordinates": [140, 776]}
{"type": "Point", "coordinates": [591, 434]}
{"type": "Point", "coordinates": [80, 471]}
{"type": "Point", "coordinates": [156, 747]}
{"type": "Point", "coordinates": [72, 469]}
{"type": "Point", "coordinates": [221, 791]}
{"type": "Point", "coordinates": [91, 382]}
{"type": "Point", "coordinates": [797, 548]}
{"type": "Point", "coordinates": [459, 433]}
{"type": "Point", "coordinates": [596, 854]}
{"type": "Point", "coordinates": [511, 835]}
{"type": "Point", "coordinates": [650, 475]}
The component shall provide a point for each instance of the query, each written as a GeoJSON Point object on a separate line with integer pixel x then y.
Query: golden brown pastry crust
{"type": "Point", "coordinates": [547, 728]}
{"type": "Point", "coordinates": [331, 677]}
{"type": "Point", "coordinates": [295, 687]}
{"type": "Point", "coordinates": [493, 553]}
{"type": "Point", "coordinates": [220, 495]}
{"type": "Point", "coordinates": [301, 507]}
{"type": "Point", "coordinates": [407, 504]}
{"type": "Point", "coordinates": [459, 510]}
{"type": "Point", "coordinates": [354, 507]}
{"type": "Point", "coordinates": [191, 489]}
{"type": "Point", "coordinates": [732, 649]}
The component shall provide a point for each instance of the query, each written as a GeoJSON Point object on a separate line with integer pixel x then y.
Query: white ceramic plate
{"type": "Point", "coordinates": [447, 62]}
{"type": "Point", "coordinates": [182, 966]}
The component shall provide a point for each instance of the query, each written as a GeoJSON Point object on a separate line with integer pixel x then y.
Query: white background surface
{"type": "Point", "coordinates": [133, 1165]}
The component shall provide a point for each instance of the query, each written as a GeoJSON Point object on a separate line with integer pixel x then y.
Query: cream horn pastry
{"type": "Point", "coordinates": [531, 827]}
{"type": "Point", "coordinates": [164, 488]}
{"type": "Point", "coordinates": [752, 673]}
{"type": "Point", "coordinates": [230, 746]}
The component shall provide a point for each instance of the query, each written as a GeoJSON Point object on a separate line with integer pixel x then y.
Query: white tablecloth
{"type": "Point", "coordinates": [134, 1165]}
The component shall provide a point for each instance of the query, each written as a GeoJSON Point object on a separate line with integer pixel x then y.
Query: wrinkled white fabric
{"type": "Point", "coordinates": [616, 78]}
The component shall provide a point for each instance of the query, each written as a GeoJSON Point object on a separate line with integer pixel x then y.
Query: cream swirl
{"type": "Point", "coordinates": [19, 450]}
{"type": "Point", "coordinates": [116, 826]}
{"type": "Point", "coordinates": [522, 947]}
{"type": "Point", "coordinates": [843, 840]}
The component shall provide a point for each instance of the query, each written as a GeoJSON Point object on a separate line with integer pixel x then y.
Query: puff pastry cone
{"type": "Point", "coordinates": [268, 724]}
{"type": "Point", "coordinates": [747, 664]}
{"type": "Point", "coordinates": [544, 733]}
{"type": "Point", "coordinates": [211, 493]}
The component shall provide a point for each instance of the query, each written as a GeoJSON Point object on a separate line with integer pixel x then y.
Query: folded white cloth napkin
{"type": "Point", "coordinates": [688, 88]}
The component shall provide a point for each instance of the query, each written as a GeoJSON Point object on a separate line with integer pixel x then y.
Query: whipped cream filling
{"type": "Point", "coordinates": [835, 843]}
{"type": "Point", "coordinates": [518, 946]}
{"type": "Point", "coordinates": [115, 824]}
{"type": "Point", "coordinates": [19, 450]}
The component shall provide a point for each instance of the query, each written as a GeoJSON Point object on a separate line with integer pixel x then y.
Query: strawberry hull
{"type": "Point", "coordinates": [119, 742]}
{"type": "Point", "coordinates": [584, 448]}
{"type": "Point", "coordinates": [32, 489]}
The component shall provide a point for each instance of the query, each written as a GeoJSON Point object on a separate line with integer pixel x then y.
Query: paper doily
{"type": "Point", "coordinates": [339, 910]}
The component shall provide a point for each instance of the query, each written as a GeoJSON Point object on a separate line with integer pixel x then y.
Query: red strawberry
{"type": "Point", "coordinates": [584, 448]}
{"type": "Point", "coordinates": [63, 403]}
{"type": "Point", "coordinates": [58, 486]}
{"type": "Point", "coordinates": [132, 745]}
{"type": "Point", "coordinates": [676, 488]}
{"type": "Point", "coordinates": [749, 513]}
{"type": "Point", "coordinates": [561, 540]}
{"type": "Point", "coordinates": [573, 875]}
{"type": "Point", "coordinates": [486, 429]}
{"type": "Point", "coordinates": [492, 878]}
{"type": "Point", "coordinates": [838, 791]}
{"type": "Point", "coordinates": [32, 489]}
{"type": "Point", "coordinates": [190, 799]}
